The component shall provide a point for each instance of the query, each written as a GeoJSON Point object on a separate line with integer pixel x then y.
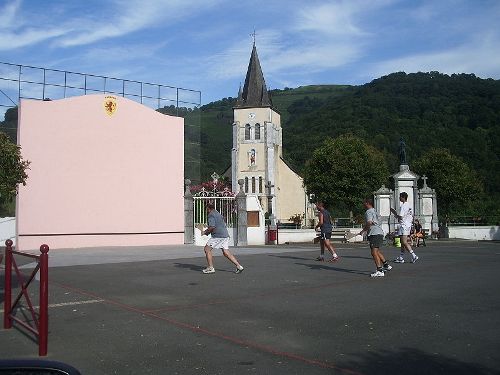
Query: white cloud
{"type": "Point", "coordinates": [14, 33]}
{"type": "Point", "coordinates": [8, 14]}
{"type": "Point", "coordinates": [481, 57]}
{"type": "Point", "coordinates": [126, 17]}
{"type": "Point", "coordinates": [12, 40]}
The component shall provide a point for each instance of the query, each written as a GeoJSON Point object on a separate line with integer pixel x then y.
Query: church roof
{"type": "Point", "coordinates": [254, 93]}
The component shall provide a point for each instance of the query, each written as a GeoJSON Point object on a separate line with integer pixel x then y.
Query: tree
{"type": "Point", "coordinates": [12, 169]}
{"type": "Point", "coordinates": [457, 185]}
{"type": "Point", "coordinates": [345, 170]}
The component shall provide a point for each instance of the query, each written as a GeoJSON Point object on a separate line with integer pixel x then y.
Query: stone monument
{"type": "Point", "coordinates": [422, 201]}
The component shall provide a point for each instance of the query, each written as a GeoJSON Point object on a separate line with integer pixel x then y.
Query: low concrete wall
{"type": "Point", "coordinates": [308, 235]}
{"type": "Point", "coordinates": [479, 233]}
{"type": "Point", "coordinates": [7, 230]}
{"type": "Point", "coordinates": [296, 235]}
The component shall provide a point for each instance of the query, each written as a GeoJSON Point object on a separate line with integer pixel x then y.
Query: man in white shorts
{"type": "Point", "coordinates": [219, 240]}
{"type": "Point", "coordinates": [405, 218]}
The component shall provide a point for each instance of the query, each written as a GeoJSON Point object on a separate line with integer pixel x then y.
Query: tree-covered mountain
{"type": "Point", "coordinates": [460, 112]}
{"type": "Point", "coordinates": [428, 110]}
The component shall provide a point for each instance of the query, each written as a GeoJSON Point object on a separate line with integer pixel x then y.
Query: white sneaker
{"type": "Point", "coordinates": [377, 274]}
{"type": "Point", "coordinates": [208, 270]}
{"type": "Point", "coordinates": [239, 270]}
{"type": "Point", "coordinates": [414, 259]}
{"type": "Point", "coordinates": [399, 260]}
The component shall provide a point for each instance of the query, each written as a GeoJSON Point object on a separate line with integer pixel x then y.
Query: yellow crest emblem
{"type": "Point", "coordinates": [110, 105]}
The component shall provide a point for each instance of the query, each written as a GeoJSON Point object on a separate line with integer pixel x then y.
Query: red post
{"type": "Point", "coordinates": [7, 321]}
{"type": "Point", "coordinates": [43, 330]}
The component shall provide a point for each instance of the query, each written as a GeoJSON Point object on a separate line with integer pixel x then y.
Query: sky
{"type": "Point", "coordinates": [205, 45]}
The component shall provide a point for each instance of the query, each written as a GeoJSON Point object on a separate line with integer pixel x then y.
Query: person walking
{"type": "Point", "coordinates": [405, 219]}
{"type": "Point", "coordinates": [375, 238]}
{"type": "Point", "coordinates": [325, 226]}
{"type": "Point", "coordinates": [219, 240]}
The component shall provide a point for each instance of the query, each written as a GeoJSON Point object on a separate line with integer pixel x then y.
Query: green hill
{"type": "Point", "coordinates": [460, 112]}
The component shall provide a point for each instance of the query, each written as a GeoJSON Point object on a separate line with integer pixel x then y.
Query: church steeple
{"type": "Point", "coordinates": [254, 92]}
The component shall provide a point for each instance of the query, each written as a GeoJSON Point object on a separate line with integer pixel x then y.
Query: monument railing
{"type": "Point", "coordinates": [473, 220]}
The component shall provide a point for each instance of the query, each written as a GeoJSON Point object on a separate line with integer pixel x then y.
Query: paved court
{"type": "Point", "coordinates": [151, 311]}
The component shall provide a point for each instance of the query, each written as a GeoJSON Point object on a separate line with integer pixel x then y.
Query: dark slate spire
{"type": "Point", "coordinates": [254, 92]}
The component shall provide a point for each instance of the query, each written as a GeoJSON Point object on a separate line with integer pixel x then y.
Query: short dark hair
{"type": "Point", "coordinates": [369, 201]}
{"type": "Point", "coordinates": [404, 195]}
{"type": "Point", "coordinates": [210, 206]}
{"type": "Point", "coordinates": [322, 204]}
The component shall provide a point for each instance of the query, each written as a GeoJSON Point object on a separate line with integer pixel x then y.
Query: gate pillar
{"type": "Point", "coordinates": [188, 214]}
{"type": "Point", "coordinates": [241, 201]}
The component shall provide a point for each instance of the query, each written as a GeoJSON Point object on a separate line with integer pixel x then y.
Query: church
{"type": "Point", "coordinates": [257, 152]}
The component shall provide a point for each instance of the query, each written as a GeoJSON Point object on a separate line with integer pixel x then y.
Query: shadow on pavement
{"type": "Point", "coordinates": [290, 257]}
{"type": "Point", "coordinates": [323, 266]}
{"type": "Point", "coordinates": [197, 267]}
{"type": "Point", "coordinates": [192, 267]}
{"type": "Point", "coordinates": [413, 362]}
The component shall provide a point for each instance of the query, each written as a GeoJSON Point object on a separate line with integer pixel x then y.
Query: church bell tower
{"type": "Point", "coordinates": [257, 137]}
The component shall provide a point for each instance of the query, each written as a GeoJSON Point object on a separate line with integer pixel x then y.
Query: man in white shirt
{"type": "Point", "coordinates": [405, 218]}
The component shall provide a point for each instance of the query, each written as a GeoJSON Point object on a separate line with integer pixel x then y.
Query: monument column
{"type": "Point", "coordinates": [383, 204]}
{"type": "Point", "coordinates": [405, 180]}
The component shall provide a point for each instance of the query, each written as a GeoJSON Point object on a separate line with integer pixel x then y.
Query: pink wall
{"type": "Point", "coordinates": [97, 179]}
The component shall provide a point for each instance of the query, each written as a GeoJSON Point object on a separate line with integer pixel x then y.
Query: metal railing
{"type": "Point", "coordinates": [226, 206]}
{"type": "Point", "coordinates": [31, 82]}
{"type": "Point", "coordinates": [39, 320]}
{"type": "Point", "coordinates": [472, 220]}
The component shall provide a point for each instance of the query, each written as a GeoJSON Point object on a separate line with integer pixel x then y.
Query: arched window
{"type": "Point", "coordinates": [246, 184]}
{"type": "Point", "coordinates": [257, 131]}
{"type": "Point", "coordinates": [260, 185]}
{"type": "Point", "coordinates": [253, 184]}
{"type": "Point", "coordinates": [247, 132]}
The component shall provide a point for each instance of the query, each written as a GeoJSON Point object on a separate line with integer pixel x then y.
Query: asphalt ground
{"type": "Point", "coordinates": [152, 311]}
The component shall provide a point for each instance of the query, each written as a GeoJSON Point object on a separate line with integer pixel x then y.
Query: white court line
{"type": "Point", "coordinates": [66, 304]}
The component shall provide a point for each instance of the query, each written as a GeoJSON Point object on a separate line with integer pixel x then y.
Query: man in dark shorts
{"type": "Point", "coordinates": [375, 237]}
{"type": "Point", "coordinates": [325, 226]}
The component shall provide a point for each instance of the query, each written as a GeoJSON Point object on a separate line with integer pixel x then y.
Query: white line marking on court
{"type": "Point", "coordinates": [66, 304]}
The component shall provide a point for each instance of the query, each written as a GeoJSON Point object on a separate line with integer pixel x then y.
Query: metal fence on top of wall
{"type": "Point", "coordinates": [29, 82]}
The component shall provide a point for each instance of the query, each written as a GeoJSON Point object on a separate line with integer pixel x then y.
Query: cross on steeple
{"type": "Point", "coordinates": [254, 34]}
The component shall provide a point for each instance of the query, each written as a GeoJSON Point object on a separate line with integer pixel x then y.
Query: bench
{"type": "Point", "coordinates": [340, 234]}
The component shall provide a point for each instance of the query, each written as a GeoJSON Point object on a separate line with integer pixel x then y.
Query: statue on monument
{"type": "Point", "coordinates": [402, 152]}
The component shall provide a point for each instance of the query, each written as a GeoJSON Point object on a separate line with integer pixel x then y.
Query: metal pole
{"type": "Point", "coordinates": [7, 321]}
{"type": "Point", "coordinates": [65, 83]}
{"type": "Point", "coordinates": [19, 86]}
{"type": "Point", "coordinates": [43, 330]}
{"type": "Point", "coordinates": [43, 89]}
